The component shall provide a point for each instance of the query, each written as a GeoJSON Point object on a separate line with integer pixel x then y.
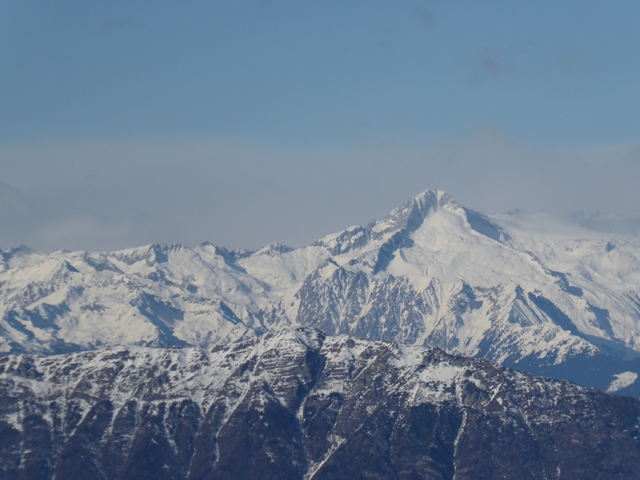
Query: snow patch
{"type": "Point", "coordinates": [441, 373]}
{"type": "Point", "coordinates": [622, 380]}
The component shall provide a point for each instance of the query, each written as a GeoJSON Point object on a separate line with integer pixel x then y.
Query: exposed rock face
{"type": "Point", "coordinates": [298, 405]}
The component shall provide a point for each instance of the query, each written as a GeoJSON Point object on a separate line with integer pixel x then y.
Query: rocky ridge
{"type": "Point", "coordinates": [295, 404]}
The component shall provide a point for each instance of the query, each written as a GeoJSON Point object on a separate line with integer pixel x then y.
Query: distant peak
{"type": "Point", "coordinates": [412, 213]}
{"type": "Point", "coordinates": [273, 249]}
{"type": "Point", "coordinates": [425, 203]}
{"type": "Point", "coordinates": [169, 247]}
{"type": "Point", "coordinates": [432, 198]}
{"type": "Point", "coordinates": [402, 220]}
{"type": "Point", "coordinates": [21, 250]}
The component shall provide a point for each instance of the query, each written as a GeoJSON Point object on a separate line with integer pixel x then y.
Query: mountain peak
{"type": "Point", "coordinates": [412, 213]}
{"type": "Point", "coordinates": [21, 251]}
{"type": "Point", "coordinates": [273, 249]}
{"type": "Point", "coordinates": [438, 196]}
{"type": "Point", "coordinates": [402, 220]}
{"type": "Point", "coordinates": [430, 200]}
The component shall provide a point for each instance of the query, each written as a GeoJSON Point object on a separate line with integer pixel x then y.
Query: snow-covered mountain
{"type": "Point", "coordinates": [297, 405]}
{"type": "Point", "coordinates": [551, 298]}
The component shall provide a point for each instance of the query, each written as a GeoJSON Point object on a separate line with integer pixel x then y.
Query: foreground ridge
{"type": "Point", "coordinates": [296, 404]}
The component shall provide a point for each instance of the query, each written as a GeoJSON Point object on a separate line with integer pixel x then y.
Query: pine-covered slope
{"type": "Point", "coordinates": [561, 302]}
{"type": "Point", "coordinates": [295, 404]}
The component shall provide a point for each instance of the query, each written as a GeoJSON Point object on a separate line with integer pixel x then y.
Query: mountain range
{"type": "Point", "coordinates": [523, 290]}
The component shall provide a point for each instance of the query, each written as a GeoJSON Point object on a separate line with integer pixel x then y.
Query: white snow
{"type": "Point", "coordinates": [622, 380]}
{"type": "Point", "coordinates": [441, 373]}
{"type": "Point", "coordinates": [472, 285]}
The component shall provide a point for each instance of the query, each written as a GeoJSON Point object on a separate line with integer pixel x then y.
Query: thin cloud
{"type": "Point", "coordinates": [243, 194]}
{"type": "Point", "coordinates": [12, 201]}
{"type": "Point", "coordinates": [85, 232]}
{"type": "Point", "coordinates": [18, 216]}
{"type": "Point", "coordinates": [493, 172]}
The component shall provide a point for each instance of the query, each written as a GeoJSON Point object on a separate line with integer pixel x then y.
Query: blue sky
{"type": "Point", "coordinates": [124, 123]}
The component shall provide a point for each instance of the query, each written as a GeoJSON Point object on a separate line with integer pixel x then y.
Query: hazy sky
{"type": "Point", "coordinates": [247, 122]}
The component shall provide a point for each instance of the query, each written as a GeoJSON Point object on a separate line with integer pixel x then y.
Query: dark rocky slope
{"type": "Point", "coordinates": [294, 405]}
